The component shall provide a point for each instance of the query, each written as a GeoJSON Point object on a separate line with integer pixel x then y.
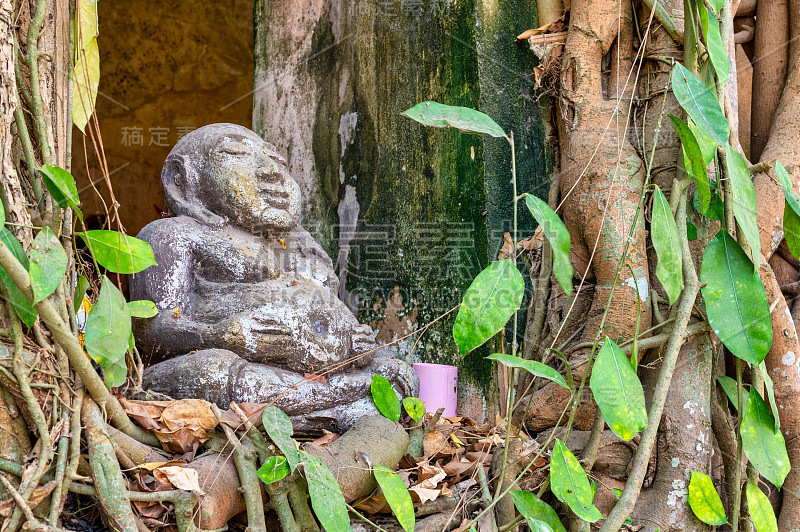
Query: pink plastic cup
{"type": "Point", "coordinates": [438, 384]}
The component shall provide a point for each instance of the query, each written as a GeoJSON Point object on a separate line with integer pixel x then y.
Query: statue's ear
{"type": "Point", "coordinates": [181, 182]}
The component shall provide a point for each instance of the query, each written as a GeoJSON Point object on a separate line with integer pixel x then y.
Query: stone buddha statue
{"type": "Point", "coordinates": [247, 299]}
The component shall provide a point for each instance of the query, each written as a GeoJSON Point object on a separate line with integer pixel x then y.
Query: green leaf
{"type": "Point", "coordinates": [274, 469]}
{"type": "Point", "coordinates": [735, 300]}
{"type": "Point", "coordinates": [21, 304]}
{"type": "Point", "coordinates": [715, 210]}
{"type": "Point", "coordinates": [396, 493]}
{"type": "Point", "coordinates": [86, 14]}
{"type": "Point", "coordinates": [729, 387]}
{"type": "Point", "coordinates": [704, 500]}
{"type": "Point", "coordinates": [48, 264]}
{"type": "Point", "coordinates": [385, 398]}
{"type": "Point", "coordinates": [664, 233]}
{"type": "Point", "coordinates": [280, 430]}
{"type": "Point", "coordinates": [558, 236]}
{"type": "Point", "coordinates": [531, 366]}
{"type": "Point", "coordinates": [489, 302]}
{"type": "Point", "coordinates": [716, 50]}
{"type": "Point", "coordinates": [116, 373]}
{"type": "Point", "coordinates": [744, 202]}
{"type": "Point", "coordinates": [700, 104]}
{"type": "Point", "coordinates": [108, 326]}
{"type": "Point", "coordinates": [770, 387]}
{"type": "Point", "coordinates": [414, 407]}
{"type": "Point", "coordinates": [763, 445]}
{"type": "Point", "coordinates": [119, 253]}
{"type": "Point", "coordinates": [693, 160]}
{"type": "Point", "coordinates": [716, 4]}
{"type": "Point", "coordinates": [691, 231]}
{"type": "Point", "coordinates": [618, 391]}
{"type": "Point", "coordinates": [760, 509]}
{"type": "Point", "coordinates": [61, 185]}
{"type": "Point", "coordinates": [791, 210]}
{"type": "Point", "coordinates": [462, 118]}
{"type": "Point", "coordinates": [80, 290]}
{"type": "Point", "coordinates": [707, 146]}
{"type": "Point", "coordinates": [85, 80]}
{"type": "Point", "coordinates": [326, 496]}
{"type": "Point", "coordinates": [142, 309]}
{"type": "Point", "coordinates": [569, 483]}
{"type": "Point", "coordinates": [533, 508]}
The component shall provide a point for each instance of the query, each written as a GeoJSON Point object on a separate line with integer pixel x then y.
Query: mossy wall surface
{"type": "Point", "coordinates": [409, 214]}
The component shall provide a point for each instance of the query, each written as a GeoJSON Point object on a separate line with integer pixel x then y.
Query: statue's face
{"type": "Point", "coordinates": [246, 181]}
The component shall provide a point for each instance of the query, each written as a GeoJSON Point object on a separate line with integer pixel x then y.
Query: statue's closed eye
{"type": "Point", "coordinates": [235, 149]}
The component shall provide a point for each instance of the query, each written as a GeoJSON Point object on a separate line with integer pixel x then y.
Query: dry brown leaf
{"type": "Point", "coordinates": [374, 505]}
{"type": "Point", "coordinates": [251, 410]}
{"type": "Point", "coordinates": [189, 413]}
{"type": "Point", "coordinates": [314, 378]}
{"type": "Point", "coordinates": [429, 475]}
{"type": "Point", "coordinates": [182, 478]}
{"type": "Point", "coordinates": [508, 243]}
{"type": "Point", "coordinates": [39, 494]}
{"type": "Point", "coordinates": [146, 413]}
{"type": "Point", "coordinates": [184, 440]}
{"type": "Point", "coordinates": [458, 468]}
{"type": "Point", "coordinates": [434, 442]}
{"type": "Point", "coordinates": [419, 494]}
{"type": "Point", "coordinates": [326, 439]}
{"type": "Point", "coordinates": [527, 34]}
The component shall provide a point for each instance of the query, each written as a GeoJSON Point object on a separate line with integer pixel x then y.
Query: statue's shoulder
{"type": "Point", "coordinates": [171, 230]}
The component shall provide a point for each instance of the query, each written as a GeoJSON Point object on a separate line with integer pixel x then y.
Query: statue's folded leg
{"type": "Point", "coordinates": [221, 376]}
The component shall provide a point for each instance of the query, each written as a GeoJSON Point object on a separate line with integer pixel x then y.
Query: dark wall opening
{"type": "Point", "coordinates": [166, 68]}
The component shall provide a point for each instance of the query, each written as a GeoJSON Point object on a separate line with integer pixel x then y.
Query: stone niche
{"type": "Point", "coordinates": [165, 68]}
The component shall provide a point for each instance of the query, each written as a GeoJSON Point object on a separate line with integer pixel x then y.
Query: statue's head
{"type": "Point", "coordinates": [226, 173]}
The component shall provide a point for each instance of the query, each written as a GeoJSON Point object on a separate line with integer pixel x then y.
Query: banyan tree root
{"type": "Point", "coordinates": [372, 441]}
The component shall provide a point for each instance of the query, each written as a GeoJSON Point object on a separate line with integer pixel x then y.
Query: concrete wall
{"type": "Point", "coordinates": [166, 68]}
{"type": "Point", "coordinates": [409, 214]}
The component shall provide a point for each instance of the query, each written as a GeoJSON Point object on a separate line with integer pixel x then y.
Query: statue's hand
{"type": "Point", "coordinates": [364, 345]}
{"type": "Point", "coordinates": [250, 333]}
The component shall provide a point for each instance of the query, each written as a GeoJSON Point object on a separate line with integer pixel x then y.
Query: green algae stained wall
{"type": "Point", "coordinates": [402, 209]}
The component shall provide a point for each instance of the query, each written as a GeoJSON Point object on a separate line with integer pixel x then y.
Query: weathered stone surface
{"type": "Point", "coordinates": [247, 288]}
{"type": "Point", "coordinates": [410, 214]}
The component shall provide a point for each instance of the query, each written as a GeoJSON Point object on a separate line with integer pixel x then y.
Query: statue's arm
{"type": "Point", "coordinates": [305, 257]}
{"type": "Point", "coordinates": [169, 285]}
